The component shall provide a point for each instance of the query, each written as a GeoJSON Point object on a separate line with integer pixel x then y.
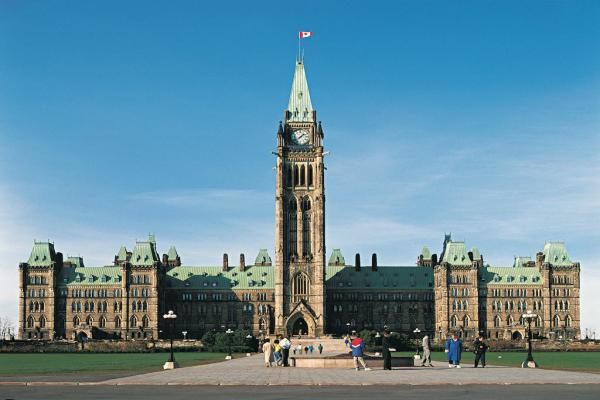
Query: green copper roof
{"type": "Point", "coordinates": [337, 258]}
{"type": "Point", "coordinates": [300, 106]}
{"type": "Point", "coordinates": [42, 254]}
{"type": "Point", "coordinates": [76, 261]}
{"type": "Point", "coordinates": [520, 261]}
{"type": "Point", "coordinates": [88, 276]}
{"type": "Point", "coordinates": [214, 278]}
{"type": "Point", "coordinates": [426, 253]}
{"type": "Point", "coordinates": [262, 258]}
{"type": "Point", "coordinates": [385, 278]}
{"type": "Point", "coordinates": [122, 254]}
{"type": "Point", "coordinates": [510, 276]}
{"type": "Point", "coordinates": [456, 254]}
{"type": "Point", "coordinates": [555, 253]}
{"type": "Point", "coordinates": [172, 254]}
{"type": "Point", "coordinates": [144, 253]}
{"type": "Point", "coordinates": [476, 253]}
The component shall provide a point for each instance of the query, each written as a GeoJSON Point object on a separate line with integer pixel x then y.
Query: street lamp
{"type": "Point", "coordinates": [229, 332]}
{"type": "Point", "coordinates": [416, 332]}
{"type": "Point", "coordinates": [348, 328]}
{"type": "Point", "coordinates": [184, 333]}
{"type": "Point", "coordinates": [529, 362]}
{"type": "Point", "coordinates": [170, 317]}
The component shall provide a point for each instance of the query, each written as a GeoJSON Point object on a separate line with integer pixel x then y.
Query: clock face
{"type": "Point", "coordinates": [300, 136]}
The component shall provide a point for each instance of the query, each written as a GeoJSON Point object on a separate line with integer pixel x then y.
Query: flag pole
{"type": "Point", "coordinates": [299, 46]}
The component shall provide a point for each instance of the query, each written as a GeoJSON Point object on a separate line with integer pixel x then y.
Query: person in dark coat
{"type": "Point", "coordinates": [479, 348]}
{"type": "Point", "coordinates": [454, 349]}
{"type": "Point", "coordinates": [385, 346]}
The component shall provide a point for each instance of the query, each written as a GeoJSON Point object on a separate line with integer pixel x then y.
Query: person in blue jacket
{"type": "Point", "coordinates": [358, 345]}
{"type": "Point", "coordinates": [454, 349]}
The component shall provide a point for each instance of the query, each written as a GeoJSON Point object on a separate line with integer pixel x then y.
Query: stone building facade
{"type": "Point", "coordinates": [302, 292]}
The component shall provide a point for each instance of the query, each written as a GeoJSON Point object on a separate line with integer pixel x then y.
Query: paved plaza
{"type": "Point", "coordinates": [250, 371]}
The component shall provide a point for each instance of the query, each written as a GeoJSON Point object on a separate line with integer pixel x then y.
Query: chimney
{"type": "Point", "coordinates": [165, 259]}
{"type": "Point", "coordinates": [242, 262]}
{"type": "Point", "coordinates": [539, 259]}
{"type": "Point", "coordinates": [434, 260]}
{"type": "Point", "coordinates": [225, 262]}
{"type": "Point", "coordinates": [357, 262]}
{"type": "Point", "coordinates": [374, 262]}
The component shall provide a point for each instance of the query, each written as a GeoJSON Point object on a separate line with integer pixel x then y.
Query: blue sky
{"type": "Point", "coordinates": [472, 117]}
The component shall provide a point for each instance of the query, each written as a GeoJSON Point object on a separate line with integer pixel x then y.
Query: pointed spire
{"type": "Point", "coordinates": [300, 107]}
{"type": "Point", "coordinates": [280, 130]}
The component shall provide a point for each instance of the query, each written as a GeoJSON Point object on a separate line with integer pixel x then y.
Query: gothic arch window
{"type": "Point", "coordinates": [30, 322]}
{"type": "Point", "coordinates": [31, 306]}
{"type": "Point", "coordinates": [497, 322]}
{"type": "Point", "coordinates": [289, 178]}
{"type": "Point", "coordinates": [453, 321]}
{"type": "Point", "coordinates": [300, 287]}
{"type": "Point", "coordinates": [102, 322]}
{"type": "Point", "coordinates": [310, 175]}
{"type": "Point", "coordinates": [306, 226]}
{"type": "Point", "coordinates": [302, 175]}
{"type": "Point", "coordinates": [76, 321]}
{"type": "Point", "coordinates": [145, 321]}
{"type": "Point", "coordinates": [117, 322]}
{"type": "Point", "coordinates": [261, 324]}
{"type": "Point", "coordinates": [466, 321]}
{"type": "Point", "coordinates": [509, 321]}
{"type": "Point", "coordinates": [296, 176]}
{"type": "Point", "coordinates": [89, 320]}
{"type": "Point", "coordinates": [556, 321]}
{"type": "Point", "coordinates": [292, 225]}
{"type": "Point", "coordinates": [568, 321]}
{"type": "Point", "coordinates": [133, 321]}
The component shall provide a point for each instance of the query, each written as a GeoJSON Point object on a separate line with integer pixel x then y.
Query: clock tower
{"type": "Point", "coordinates": [300, 216]}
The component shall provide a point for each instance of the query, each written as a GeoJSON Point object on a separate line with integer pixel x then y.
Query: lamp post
{"type": "Point", "coordinates": [529, 362]}
{"type": "Point", "coordinates": [416, 332]}
{"type": "Point", "coordinates": [249, 344]}
{"type": "Point", "coordinates": [229, 332]}
{"type": "Point", "coordinates": [170, 317]}
{"type": "Point", "coordinates": [184, 333]}
{"type": "Point", "coordinates": [348, 328]}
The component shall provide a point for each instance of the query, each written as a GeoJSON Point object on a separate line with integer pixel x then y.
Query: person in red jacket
{"type": "Point", "coordinates": [358, 345]}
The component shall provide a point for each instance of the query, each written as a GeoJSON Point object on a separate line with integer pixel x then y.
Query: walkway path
{"type": "Point", "coordinates": [250, 371]}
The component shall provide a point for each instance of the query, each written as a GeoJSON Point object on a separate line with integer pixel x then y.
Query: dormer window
{"type": "Point", "coordinates": [91, 278]}
{"type": "Point", "coordinates": [496, 278]}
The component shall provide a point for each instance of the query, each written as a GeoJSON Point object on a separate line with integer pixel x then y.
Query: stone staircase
{"type": "Point", "coordinates": [330, 345]}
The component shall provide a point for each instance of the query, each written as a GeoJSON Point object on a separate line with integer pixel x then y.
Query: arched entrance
{"type": "Point", "coordinates": [300, 327]}
{"type": "Point", "coordinates": [517, 335]}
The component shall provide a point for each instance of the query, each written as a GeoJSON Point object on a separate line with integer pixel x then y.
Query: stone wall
{"type": "Point", "coordinates": [97, 346]}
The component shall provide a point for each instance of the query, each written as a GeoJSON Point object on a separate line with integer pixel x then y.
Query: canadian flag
{"type": "Point", "coordinates": [303, 35]}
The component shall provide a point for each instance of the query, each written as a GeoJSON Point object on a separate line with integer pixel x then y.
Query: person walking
{"type": "Point", "coordinates": [454, 349]}
{"type": "Point", "coordinates": [285, 350]}
{"type": "Point", "coordinates": [267, 349]}
{"type": "Point", "coordinates": [426, 352]}
{"type": "Point", "coordinates": [385, 348]}
{"type": "Point", "coordinates": [358, 345]}
{"type": "Point", "coordinates": [277, 352]}
{"type": "Point", "coordinates": [320, 348]}
{"type": "Point", "coordinates": [479, 348]}
{"type": "Point", "coordinates": [310, 348]}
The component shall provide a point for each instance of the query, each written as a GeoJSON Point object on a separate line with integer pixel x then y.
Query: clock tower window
{"type": "Point", "coordinates": [292, 228]}
{"type": "Point", "coordinates": [302, 175]}
{"type": "Point", "coordinates": [296, 175]}
{"type": "Point", "coordinates": [310, 175]}
{"type": "Point", "coordinates": [306, 225]}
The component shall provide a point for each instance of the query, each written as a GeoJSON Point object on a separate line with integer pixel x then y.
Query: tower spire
{"type": "Point", "coordinates": [300, 107]}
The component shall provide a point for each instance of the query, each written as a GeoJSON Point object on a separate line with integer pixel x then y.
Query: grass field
{"type": "Point", "coordinates": [62, 363]}
{"type": "Point", "coordinates": [575, 361]}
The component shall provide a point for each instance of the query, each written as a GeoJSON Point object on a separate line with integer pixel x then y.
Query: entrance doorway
{"type": "Point", "coordinates": [300, 327]}
{"type": "Point", "coordinates": [517, 335]}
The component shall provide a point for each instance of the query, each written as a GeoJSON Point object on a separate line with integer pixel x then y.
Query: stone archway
{"type": "Point", "coordinates": [300, 327]}
{"type": "Point", "coordinates": [300, 324]}
{"type": "Point", "coordinates": [516, 335]}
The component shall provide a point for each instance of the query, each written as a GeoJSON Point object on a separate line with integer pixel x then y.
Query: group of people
{"type": "Point", "coordinates": [278, 352]}
{"type": "Point", "coordinates": [454, 349]}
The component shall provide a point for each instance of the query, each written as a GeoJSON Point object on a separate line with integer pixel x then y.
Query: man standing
{"type": "Point", "coordinates": [285, 349]}
{"type": "Point", "coordinates": [320, 347]}
{"type": "Point", "coordinates": [479, 348]}
{"type": "Point", "coordinates": [385, 347]}
{"type": "Point", "coordinates": [454, 350]}
{"type": "Point", "coordinates": [357, 345]}
{"type": "Point", "coordinates": [426, 352]}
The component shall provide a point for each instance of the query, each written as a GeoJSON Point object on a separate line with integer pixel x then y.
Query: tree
{"type": "Point", "coordinates": [6, 327]}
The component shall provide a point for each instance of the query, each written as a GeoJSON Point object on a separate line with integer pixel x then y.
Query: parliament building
{"type": "Point", "coordinates": [304, 289]}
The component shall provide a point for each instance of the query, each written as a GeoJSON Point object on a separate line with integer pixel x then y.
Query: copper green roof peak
{"type": "Point", "coordinates": [263, 258]}
{"type": "Point", "coordinates": [42, 254]}
{"type": "Point", "coordinates": [300, 107]}
{"type": "Point", "coordinates": [172, 253]}
{"type": "Point", "coordinates": [426, 253]}
{"type": "Point", "coordinates": [456, 254]}
{"type": "Point", "coordinates": [122, 254]}
{"type": "Point", "coordinates": [336, 258]}
{"type": "Point", "coordinates": [555, 253]}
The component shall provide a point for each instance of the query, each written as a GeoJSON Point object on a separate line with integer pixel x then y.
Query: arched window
{"type": "Point", "coordinates": [556, 321]}
{"type": "Point", "coordinates": [89, 320]}
{"type": "Point", "coordinates": [497, 322]}
{"type": "Point", "coordinates": [296, 176]}
{"type": "Point", "coordinates": [73, 306]}
{"type": "Point", "coordinates": [139, 305]}
{"type": "Point", "coordinates": [454, 305]}
{"type": "Point", "coordinates": [102, 322]}
{"type": "Point", "coordinates": [261, 324]}
{"type": "Point", "coordinates": [31, 306]}
{"type": "Point", "coordinates": [289, 178]}
{"type": "Point", "coordinates": [42, 322]}
{"type": "Point", "coordinates": [133, 321]}
{"type": "Point", "coordinates": [41, 306]}
{"type": "Point", "coordinates": [133, 306]}
{"type": "Point", "coordinates": [453, 321]}
{"type": "Point", "coordinates": [300, 288]}
{"type": "Point", "coordinates": [30, 322]}
{"type": "Point", "coordinates": [145, 321]}
{"type": "Point", "coordinates": [310, 175]}
{"type": "Point", "coordinates": [302, 175]}
{"type": "Point", "coordinates": [509, 321]}
{"type": "Point", "coordinates": [306, 231]}
{"type": "Point", "coordinates": [292, 225]}
{"type": "Point", "coordinates": [91, 306]}
{"type": "Point", "coordinates": [117, 322]}
{"type": "Point", "coordinates": [76, 322]}
{"type": "Point", "coordinates": [144, 306]}
{"type": "Point", "coordinates": [466, 321]}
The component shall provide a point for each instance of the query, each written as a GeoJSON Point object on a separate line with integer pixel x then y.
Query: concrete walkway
{"type": "Point", "coordinates": [251, 371]}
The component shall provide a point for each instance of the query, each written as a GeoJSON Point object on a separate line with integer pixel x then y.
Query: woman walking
{"type": "Point", "coordinates": [268, 352]}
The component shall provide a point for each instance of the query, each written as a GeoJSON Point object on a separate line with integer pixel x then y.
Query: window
{"type": "Point", "coordinates": [300, 287]}
{"type": "Point", "coordinates": [76, 322]}
{"type": "Point", "coordinates": [145, 321]}
{"type": "Point", "coordinates": [302, 175]}
{"type": "Point", "coordinates": [306, 231]}
{"type": "Point", "coordinates": [133, 322]}
{"type": "Point", "coordinates": [556, 321]}
{"type": "Point", "coordinates": [30, 322]}
{"type": "Point", "coordinates": [102, 322]}
{"type": "Point", "coordinates": [310, 175]}
{"type": "Point", "coordinates": [453, 321]}
{"type": "Point", "coordinates": [292, 226]}
{"type": "Point", "coordinates": [117, 322]}
{"type": "Point", "coordinates": [89, 320]}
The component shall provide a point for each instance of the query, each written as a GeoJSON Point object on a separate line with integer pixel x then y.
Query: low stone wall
{"type": "Point", "coordinates": [346, 361]}
{"type": "Point", "coordinates": [98, 346]}
{"type": "Point", "coordinates": [538, 345]}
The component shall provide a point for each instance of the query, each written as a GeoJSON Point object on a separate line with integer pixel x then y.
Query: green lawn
{"type": "Point", "coordinates": [61, 363]}
{"type": "Point", "coordinates": [580, 361]}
